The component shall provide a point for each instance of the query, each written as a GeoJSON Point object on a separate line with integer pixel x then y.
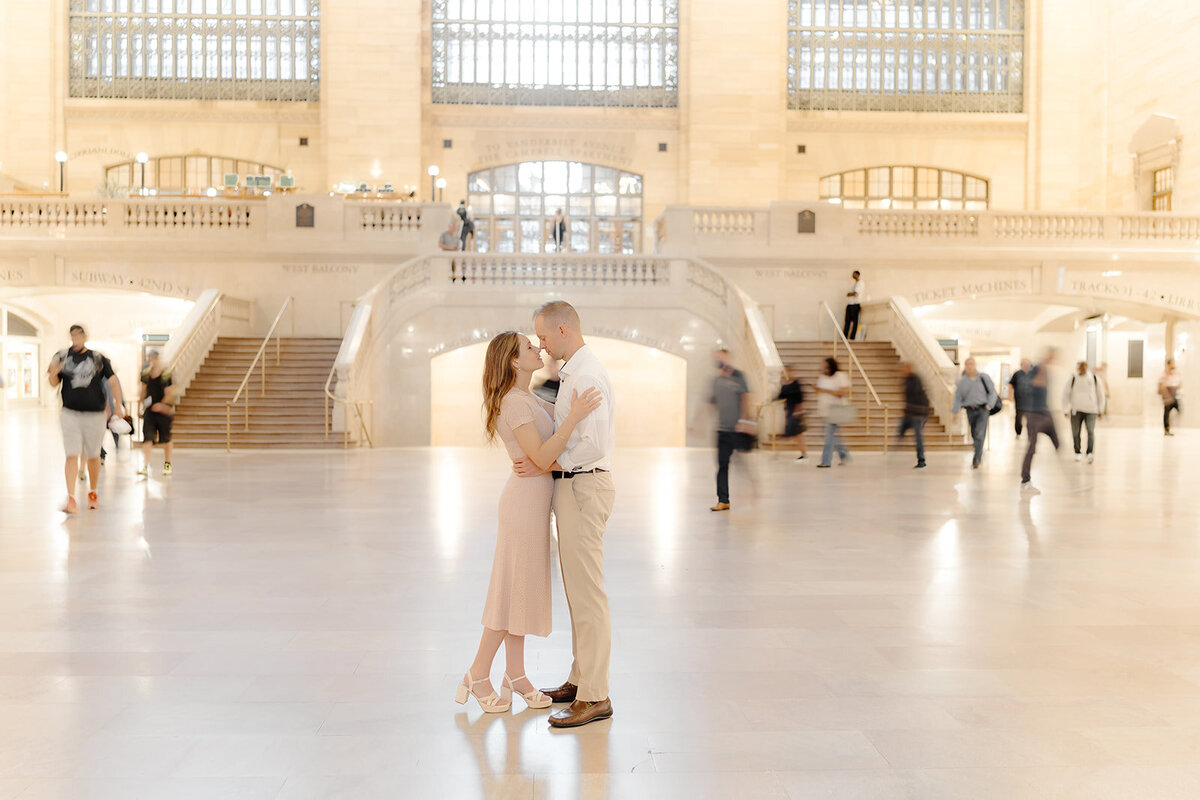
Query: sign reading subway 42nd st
{"type": "Point", "coordinates": [129, 279]}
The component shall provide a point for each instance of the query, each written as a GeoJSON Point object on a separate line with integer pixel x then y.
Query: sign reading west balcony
{"type": "Point", "coordinates": [305, 216]}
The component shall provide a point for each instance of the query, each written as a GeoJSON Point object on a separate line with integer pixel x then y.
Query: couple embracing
{"type": "Point", "coordinates": [561, 456]}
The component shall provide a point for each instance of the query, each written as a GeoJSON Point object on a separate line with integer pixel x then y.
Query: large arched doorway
{"type": "Point", "coordinates": [514, 206]}
{"type": "Point", "coordinates": [657, 419]}
{"type": "Point", "coordinates": [20, 357]}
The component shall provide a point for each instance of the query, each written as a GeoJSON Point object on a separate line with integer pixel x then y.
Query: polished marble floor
{"type": "Point", "coordinates": [292, 625]}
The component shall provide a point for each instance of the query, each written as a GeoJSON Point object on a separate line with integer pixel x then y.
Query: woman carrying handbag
{"type": "Point", "coordinates": [833, 392]}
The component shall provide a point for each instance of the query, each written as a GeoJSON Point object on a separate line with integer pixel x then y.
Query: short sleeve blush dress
{"type": "Point", "coordinates": [518, 598]}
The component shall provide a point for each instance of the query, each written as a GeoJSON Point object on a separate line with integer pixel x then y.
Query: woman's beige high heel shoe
{"type": "Point", "coordinates": [534, 699]}
{"type": "Point", "coordinates": [490, 704]}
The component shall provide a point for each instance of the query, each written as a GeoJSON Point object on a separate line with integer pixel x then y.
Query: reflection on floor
{"type": "Point", "coordinates": [292, 625]}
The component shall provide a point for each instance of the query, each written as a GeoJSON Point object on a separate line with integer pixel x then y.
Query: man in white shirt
{"type": "Point", "coordinates": [1084, 401]}
{"type": "Point", "coordinates": [854, 299]}
{"type": "Point", "coordinates": [583, 502]}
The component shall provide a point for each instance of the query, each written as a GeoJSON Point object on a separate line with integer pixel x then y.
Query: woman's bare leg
{"type": "Point", "coordinates": [514, 657]}
{"type": "Point", "coordinates": [481, 667]}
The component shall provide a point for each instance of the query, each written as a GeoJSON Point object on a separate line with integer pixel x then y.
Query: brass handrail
{"type": "Point", "coordinates": [289, 302]}
{"type": "Point", "coordinates": [822, 305]}
{"type": "Point", "coordinates": [363, 426]}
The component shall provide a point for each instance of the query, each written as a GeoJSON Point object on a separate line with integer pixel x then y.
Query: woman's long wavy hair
{"type": "Point", "coordinates": [499, 376]}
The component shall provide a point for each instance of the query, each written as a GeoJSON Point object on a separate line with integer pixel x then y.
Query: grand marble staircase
{"type": "Point", "coordinates": [290, 414]}
{"type": "Point", "coordinates": [881, 363]}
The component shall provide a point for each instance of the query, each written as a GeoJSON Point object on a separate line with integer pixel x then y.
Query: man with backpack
{"type": "Point", "coordinates": [82, 374]}
{"type": "Point", "coordinates": [978, 396]}
{"type": "Point", "coordinates": [1084, 400]}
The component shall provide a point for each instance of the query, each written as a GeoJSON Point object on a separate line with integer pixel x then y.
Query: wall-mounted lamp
{"type": "Point", "coordinates": [142, 158]}
{"type": "Point", "coordinates": [433, 173]}
{"type": "Point", "coordinates": [61, 158]}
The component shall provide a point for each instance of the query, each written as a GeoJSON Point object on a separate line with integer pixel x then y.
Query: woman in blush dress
{"type": "Point", "coordinates": [518, 598]}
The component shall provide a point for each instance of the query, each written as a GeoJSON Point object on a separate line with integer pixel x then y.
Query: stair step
{"type": "Point", "coordinates": [291, 413]}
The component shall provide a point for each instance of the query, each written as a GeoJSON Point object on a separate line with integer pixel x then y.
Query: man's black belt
{"type": "Point", "coordinates": [556, 474]}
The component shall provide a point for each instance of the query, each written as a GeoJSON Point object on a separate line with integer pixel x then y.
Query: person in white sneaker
{"type": "Point", "coordinates": [1084, 401]}
{"type": "Point", "coordinates": [158, 404]}
{"type": "Point", "coordinates": [81, 373]}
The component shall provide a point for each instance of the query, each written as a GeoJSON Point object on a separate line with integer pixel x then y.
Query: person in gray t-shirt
{"type": "Point", "coordinates": [731, 398]}
{"type": "Point", "coordinates": [449, 239]}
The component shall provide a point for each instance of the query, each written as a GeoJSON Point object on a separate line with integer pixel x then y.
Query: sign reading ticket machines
{"type": "Point", "coordinates": [808, 222]}
{"type": "Point", "coordinates": [305, 216]}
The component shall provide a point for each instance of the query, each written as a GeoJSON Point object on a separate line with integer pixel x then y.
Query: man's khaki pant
{"type": "Point", "coordinates": [582, 506]}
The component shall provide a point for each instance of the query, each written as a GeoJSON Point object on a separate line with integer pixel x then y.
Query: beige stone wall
{"type": "Point", "coordinates": [1094, 73]}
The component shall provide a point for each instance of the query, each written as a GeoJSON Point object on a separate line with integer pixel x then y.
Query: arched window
{"type": "Point", "coordinates": [560, 53]}
{"type": "Point", "coordinates": [196, 49]}
{"type": "Point", "coordinates": [514, 207]}
{"type": "Point", "coordinates": [906, 187]}
{"type": "Point", "coordinates": [906, 55]}
{"type": "Point", "coordinates": [190, 174]}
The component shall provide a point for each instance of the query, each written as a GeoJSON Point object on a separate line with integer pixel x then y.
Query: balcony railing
{"type": "Point", "coordinates": [370, 224]}
{"type": "Point", "coordinates": [789, 227]}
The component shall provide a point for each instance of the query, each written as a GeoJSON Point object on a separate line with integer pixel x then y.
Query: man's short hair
{"type": "Point", "coordinates": [153, 354]}
{"type": "Point", "coordinates": [559, 312]}
{"type": "Point", "coordinates": [77, 327]}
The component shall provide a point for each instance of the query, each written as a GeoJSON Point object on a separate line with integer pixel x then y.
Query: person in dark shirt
{"type": "Point", "coordinates": [1021, 389]}
{"type": "Point", "coordinates": [730, 398]}
{"type": "Point", "coordinates": [916, 411]}
{"type": "Point", "coordinates": [1037, 416]}
{"type": "Point", "coordinates": [792, 394]}
{"type": "Point", "coordinates": [158, 409]}
{"type": "Point", "coordinates": [81, 373]}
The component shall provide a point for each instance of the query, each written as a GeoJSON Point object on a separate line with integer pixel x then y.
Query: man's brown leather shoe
{"type": "Point", "coordinates": [562, 694]}
{"type": "Point", "coordinates": [581, 712]}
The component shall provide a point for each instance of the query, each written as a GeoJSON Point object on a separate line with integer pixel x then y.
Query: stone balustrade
{"type": "Point", "coordinates": [558, 270]}
{"type": "Point", "coordinates": [372, 225]}
{"type": "Point", "coordinates": [797, 230]}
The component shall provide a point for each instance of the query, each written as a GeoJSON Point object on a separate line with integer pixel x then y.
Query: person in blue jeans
{"type": "Point", "coordinates": [833, 389]}
{"type": "Point", "coordinates": [975, 393]}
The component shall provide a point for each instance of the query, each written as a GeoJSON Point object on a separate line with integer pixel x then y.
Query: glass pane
{"type": "Point", "coordinates": [606, 206]}
{"type": "Point", "coordinates": [505, 238]}
{"type": "Point", "coordinates": [854, 184]}
{"type": "Point", "coordinates": [580, 206]}
{"type": "Point", "coordinates": [555, 203]}
{"type": "Point", "coordinates": [607, 237]}
{"type": "Point", "coordinates": [531, 236]}
{"type": "Point", "coordinates": [631, 206]}
{"type": "Point", "coordinates": [483, 230]}
{"type": "Point", "coordinates": [504, 204]}
{"type": "Point", "coordinates": [902, 182]}
{"type": "Point", "coordinates": [878, 182]}
{"type": "Point", "coordinates": [481, 204]}
{"type": "Point", "coordinates": [952, 185]}
{"type": "Point", "coordinates": [479, 181]}
{"type": "Point", "coordinates": [530, 205]}
{"type": "Point", "coordinates": [605, 180]}
{"type": "Point", "coordinates": [927, 184]}
{"type": "Point", "coordinates": [530, 176]}
{"type": "Point", "coordinates": [579, 177]}
{"type": "Point", "coordinates": [630, 184]}
{"type": "Point", "coordinates": [505, 179]}
{"type": "Point", "coordinates": [581, 235]}
{"type": "Point", "coordinates": [555, 177]}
